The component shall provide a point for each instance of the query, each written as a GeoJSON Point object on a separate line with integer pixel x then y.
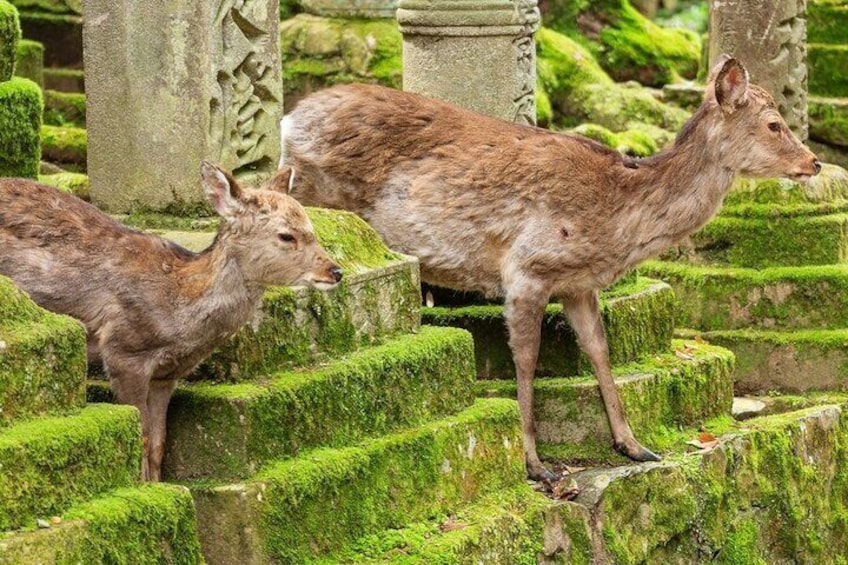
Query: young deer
{"type": "Point", "coordinates": [528, 214]}
{"type": "Point", "coordinates": [153, 310]}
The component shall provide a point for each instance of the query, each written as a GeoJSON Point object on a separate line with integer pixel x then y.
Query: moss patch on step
{"type": "Point", "coordinates": [42, 358]}
{"type": "Point", "coordinates": [661, 393]}
{"type": "Point", "coordinates": [827, 65]}
{"type": "Point", "coordinates": [64, 109]}
{"type": "Point", "coordinates": [391, 481]}
{"type": "Point", "coordinates": [781, 197]}
{"type": "Point", "coordinates": [827, 22]}
{"type": "Point", "coordinates": [154, 523]}
{"type": "Point", "coordinates": [638, 317]}
{"type": "Point", "coordinates": [20, 119]}
{"type": "Point", "coordinates": [788, 361]}
{"type": "Point", "coordinates": [228, 431]}
{"type": "Point", "coordinates": [77, 184]}
{"type": "Point", "coordinates": [10, 34]}
{"type": "Point", "coordinates": [49, 464]}
{"type": "Point", "coordinates": [29, 61]}
{"type": "Point", "coordinates": [728, 298]}
{"type": "Point", "coordinates": [64, 145]}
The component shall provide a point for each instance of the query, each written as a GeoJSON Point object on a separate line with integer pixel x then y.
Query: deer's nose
{"type": "Point", "coordinates": [337, 273]}
{"type": "Point", "coordinates": [817, 166]}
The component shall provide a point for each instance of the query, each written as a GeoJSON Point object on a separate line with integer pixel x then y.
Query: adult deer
{"type": "Point", "coordinates": [153, 310]}
{"type": "Point", "coordinates": [528, 214]}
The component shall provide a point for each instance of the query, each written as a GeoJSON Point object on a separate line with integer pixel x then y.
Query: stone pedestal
{"type": "Point", "coordinates": [769, 37]}
{"type": "Point", "coordinates": [479, 54]}
{"type": "Point", "coordinates": [351, 8]}
{"type": "Point", "coordinates": [170, 84]}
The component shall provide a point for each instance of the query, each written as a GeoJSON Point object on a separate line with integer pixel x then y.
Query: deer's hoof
{"type": "Point", "coordinates": [542, 475]}
{"type": "Point", "coordinates": [637, 452]}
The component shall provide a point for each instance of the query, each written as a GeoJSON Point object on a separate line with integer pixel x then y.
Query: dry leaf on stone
{"type": "Point", "coordinates": [705, 442]}
{"type": "Point", "coordinates": [451, 524]}
{"type": "Point", "coordinates": [683, 355]}
{"type": "Point", "coordinates": [565, 489]}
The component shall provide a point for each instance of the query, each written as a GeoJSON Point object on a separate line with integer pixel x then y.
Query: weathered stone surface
{"type": "Point", "coordinates": [351, 8]}
{"type": "Point", "coordinates": [639, 320]}
{"type": "Point", "coordinates": [201, 77]}
{"type": "Point", "coordinates": [480, 55]}
{"type": "Point", "coordinates": [769, 39]}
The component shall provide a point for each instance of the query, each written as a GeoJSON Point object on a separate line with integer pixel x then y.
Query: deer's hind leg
{"type": "Point", "coordinates": [584, 314]}
{"type": "Point", "coordinates": [159, 395]}
{"type": "Point", "coordinates": [132, 389]}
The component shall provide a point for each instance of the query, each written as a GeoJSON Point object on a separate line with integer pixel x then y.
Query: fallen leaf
{"type": "Point", "coordinates": [706, 437]}
{"type": "Point", "coordinates": [565, 489]}
{"type": "Point", "coordinates": [683, 355]}
{"type": "Point", "coordinates": [451, 524]}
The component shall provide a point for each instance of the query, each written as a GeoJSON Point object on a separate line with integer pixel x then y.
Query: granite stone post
{"type": "Point", "coordinates": [479, 54]}
{"type": "Point", "coordinates": [170, 84]}
{"type": "Point", "coordinates": [769, 37]}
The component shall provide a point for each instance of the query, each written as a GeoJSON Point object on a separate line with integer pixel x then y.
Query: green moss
{"type": "Point", "coordinates": [54, 6]}
{"type": "Point", "coordinates": [224, 431]}
{"type": "Point", "coordinates": [828, 188]}
{"type": "Point", "coordinates": [827, 22]}
{"type": "Point", "coordinates": [639, 320]}
{"type": "Point", "coordinates": [67, 145]}
{"type": "Point", "coordinates": [637, 143]}
{"type": "Point", "coordinates": [829, 119]}
{"type": "Point", "coordinates": [10, 34]}
{"type": "Point", "coordinates": [29, 61]}
{"type": "Point", "coordinates": [73, 183]}
{"type": "Point", "coordinates": [20, 120]}
{"type": "Point", "coordinates": [828, 69]}
{"type": "Point", "coordinates": [64, 109]}
{"type": "Point", "coordinates": [350, 241]}
{"type": "Point", "coordinates": [46, 465]}
{"type": "Point", "coordinates": [65, 80]}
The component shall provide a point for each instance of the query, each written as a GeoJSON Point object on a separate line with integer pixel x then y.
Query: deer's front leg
{"type": "Point", "coordinates": [158, 398]}
{"type": "Point", "coordinates": [584, 313]}
{"type": "Point", "coordinates": [132, 390]}
{"type": "Point", "coordinates": [525, 306]}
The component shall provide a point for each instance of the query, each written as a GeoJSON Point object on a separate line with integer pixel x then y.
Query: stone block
{"type": "Point", "coordinates": [65, 146]}
{"type": "Point", "coordinates": [203, 77]}
{"type": "Point", "coordinates": [21, 107]}
{"type": "Point", "coordinates": [64, 80]}
{"type": "Point", "coordinates": [296, 510]}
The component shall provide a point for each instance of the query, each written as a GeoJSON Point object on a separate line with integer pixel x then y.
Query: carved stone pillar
{"type": "Point", "coordinates": [479, 54]}
{"type": "Point", "coordinates": [769, 37]}
{"type": "Point", "coordinates": [351, 8]}
{"type": "Point", "coordinates": [170, 84]}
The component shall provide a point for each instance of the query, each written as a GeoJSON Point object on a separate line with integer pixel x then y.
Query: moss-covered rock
{"type": "Point", "coordinates": [639, 320]}
{"type": "Point", "coordinates": [326, 499]}
{"type": "Point", "coordinates": [829, 119]}
{"type": "Point", "coordinates": [42, 359]}
{"type": "Point", "coordinates": [580, 91]}
{"type": "Point", "coordinates": [783, 197]}
{"type": "Point", "coordinates": [29, 61]}
{"type": "Point", "coordinates": [49, 464]}
{"type": "Point", "coordinates": [151, 524]}
{"type": "Point", "coordinates": [66, 146]}
{"type": "Point", "coordinates": [228, 431]}
{"type": "Point", "coordinates": [21, 107]}
{"type": "Point", "coordinates": [729, 298]}
{"type": "Point", "coordinates": [64, 109]}
{"type": "Point", "coordinates": [318, 52]}
{"type": "Point", "coordinates": [661, 393]}
{"type": "Point", "coordinates": [10, 34]}
{"type": "Point", "coordinates": [634, 142]}
{"type": "Point", "coordinates": [788, 361]}
{"type": "Point", "coordinates": [74, 183]}
{"type": "Point", "coordinates": [626, 44]}
{"type": "Point", "coordinates": [828, 69]}
{"type": "Point", "coordinates": [827, 21]}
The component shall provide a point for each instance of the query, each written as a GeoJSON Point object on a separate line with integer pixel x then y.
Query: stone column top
{"type": "Point", "coordinates": [459, 14]}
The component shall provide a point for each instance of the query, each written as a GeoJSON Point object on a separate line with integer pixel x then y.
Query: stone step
{"type": "Point", "coordinates": [518, 525]}
{"type": "Point", "coordinates": [638, 318]}
{"type": "Point", "coordinates": [731, 298]}
{"type": "Point", "coordinates": [774, 241]}
{"type": "Point", "coordinates": [297, 510]}
{"type": "Point", "coordinates": [662, 393]}
{"type": "Point", "coordinates": [829, 119]}
{"type": "Point", "coordinates": [49, 464]}
{"type": "Point", "coordinates": [788, 361]}
{"type": "Point", "coordinates": [42, 359]}
{"type": "Point", "coordinates": [825, 193]}
{"type": "Point", "coordinates": [379, 297]}
{"type": "Point", "coordinates": [828, 69]}
{"type": "Point", "coordinates": [153, 523]}
{"type": "Point", "coordinates": [771, 491]}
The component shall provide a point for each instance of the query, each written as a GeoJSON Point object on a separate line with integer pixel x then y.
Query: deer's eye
{"type": "Point", "coordinates": [286, 237]}
{"type": "Point", "coordinates": [774, 126]}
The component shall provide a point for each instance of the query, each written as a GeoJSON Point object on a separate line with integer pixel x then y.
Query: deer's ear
{"type": "Point", "coordinates": [730, 84]}
{"type": "Point", "coordinates": [282, 181]}
{"type": "Point", "coordinates": [221, 190]}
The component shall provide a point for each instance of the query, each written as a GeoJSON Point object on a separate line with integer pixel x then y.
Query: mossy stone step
{"type": "Point", "coordinates": [519, 525]}
{"type": "Point", "coordinates": [772, 491]}
{"type": "Point", "coordinates": [228, 431]}
{"type": "Point", "coordinates": [662, 393]}
{"type": "Point", "coordinates": [829, 118]}
{"type": "Point", "coordinates": [42, 358]}
{"type": "Point", "coordinates": [638, 318]}
{"type": "Point", "coordinates": [49, 464]}
{"type": "Point", "coordinates": [297, 510]}
{"type": "Point", "coordinates": [788, 361]}
{"type": "Point", "coordinates": [731, 298]}
{"type": "Point", "coordinates": [827, 192]}
{"type": "Point", "coordinates": [153, 523]}
{"type": "Point", "coordinates": [379, 297]}
{"type": "Point", "coordinates": [827, 22]}
{"type": "Point", "coordinates": [828, 69]}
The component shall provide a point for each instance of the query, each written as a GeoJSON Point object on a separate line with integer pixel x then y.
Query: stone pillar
{"type": "Point", "coordinates": [769, 37]}
{"type": "Point", "coordinates": [479, 54]}
{"type": "Point", "coordinates": [351, 8]}
{"type": "Point", "coordinates": [169, 84]}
